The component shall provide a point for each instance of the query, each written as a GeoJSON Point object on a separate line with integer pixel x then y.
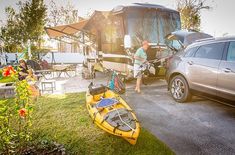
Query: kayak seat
{"type": "Point", "coordinates": [106, 102]}
{"type": "Point", "coordinates": [98, 97]}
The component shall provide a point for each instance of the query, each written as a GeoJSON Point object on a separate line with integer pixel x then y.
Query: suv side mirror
{"type": "Point", "coordinates": [127, 41]}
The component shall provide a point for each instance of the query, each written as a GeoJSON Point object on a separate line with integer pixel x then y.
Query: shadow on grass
{"type": "Point", "coordinates": [65, 119]}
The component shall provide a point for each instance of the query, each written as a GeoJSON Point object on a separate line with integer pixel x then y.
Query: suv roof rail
{"type": "Point", "coordinates": [205, 39]}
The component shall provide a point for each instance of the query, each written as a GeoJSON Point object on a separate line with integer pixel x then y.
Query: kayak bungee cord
{"type": "Point", "coordinates": [123, 121]}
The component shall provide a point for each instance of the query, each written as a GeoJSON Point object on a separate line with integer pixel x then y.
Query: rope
{"type": "Point", "coordinates": [118, 98]}
{"type": "Point", "coordinates": [123, 120]}
{"type": "Point", "coordinates": [133, 130]}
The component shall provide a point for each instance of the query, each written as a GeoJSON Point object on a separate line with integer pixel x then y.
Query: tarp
{"type": "Point", "coordinates": [65, 30]}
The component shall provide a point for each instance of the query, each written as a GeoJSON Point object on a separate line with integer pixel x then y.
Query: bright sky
{"type": "Point", "coordinates": [217, 21]}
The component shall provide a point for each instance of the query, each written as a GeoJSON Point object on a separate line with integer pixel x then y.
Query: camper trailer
{"type": "Point", "coordinates": [116, 34]}
{"type": "Point", "coordinates": [121, 31]}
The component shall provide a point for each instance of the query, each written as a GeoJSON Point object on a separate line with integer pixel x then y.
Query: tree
{"type": "Point", "coordinates": [27, 24]}
{"type": "Point", "coordinates": [60, 15]}
{"type": "Point", "coordinates": [10, 33]}
{"type": "Point", "coordinates": [33, 19]}
{"type": "Point", "coordinates": [190, 13]}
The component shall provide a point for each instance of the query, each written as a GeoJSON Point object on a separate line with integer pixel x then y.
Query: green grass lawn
{"type": "Point", "coordinates": [65, 120]}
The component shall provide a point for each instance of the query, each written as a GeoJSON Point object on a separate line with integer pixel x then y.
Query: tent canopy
{"type": "Point", "coordinates": [70, 29]}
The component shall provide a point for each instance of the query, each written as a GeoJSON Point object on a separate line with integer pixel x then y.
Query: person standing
{"type": "Point", "coordinates": [16, 59]}
{"type": "Point", "coordinates": [140, 58]}
{"type": "Point", "coordinates": [6, 57]}
{"type": "Point", "coordinates": [24, 71]}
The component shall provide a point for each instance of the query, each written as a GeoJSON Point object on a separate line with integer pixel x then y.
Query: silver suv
{"type": "Point", "coordinates": [206, 66]}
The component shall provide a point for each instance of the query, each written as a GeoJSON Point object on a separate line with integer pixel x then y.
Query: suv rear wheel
{"type": "Point", "coordinates": [179, 89]}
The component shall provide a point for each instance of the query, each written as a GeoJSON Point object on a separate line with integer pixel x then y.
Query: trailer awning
{"type": "Point", "coordinates": [83, 32]}
{"type": "Point", "coordinates": [71, 29]}
{"type": "Point", "coordinates": [65, 30]}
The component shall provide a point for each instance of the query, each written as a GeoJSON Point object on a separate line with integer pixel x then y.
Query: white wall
{"type": "Point", "coordinates": [59, 57]}
{"type": "Point", "coordinates": [64, 57]}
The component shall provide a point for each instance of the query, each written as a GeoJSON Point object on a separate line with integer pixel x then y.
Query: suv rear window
{"type": "Point", "coordinates": [211, 51]}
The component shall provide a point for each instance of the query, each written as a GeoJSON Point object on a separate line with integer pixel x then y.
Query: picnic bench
{"type": "Point", "coordinates": [58, 69]}
{"type": "Point", "coordinates": [61, 69]}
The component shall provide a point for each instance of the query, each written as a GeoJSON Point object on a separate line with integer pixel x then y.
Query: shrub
{"type": "Point", "coordinates": [15, 138]}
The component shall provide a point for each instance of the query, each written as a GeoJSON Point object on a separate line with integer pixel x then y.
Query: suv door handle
{"type": "Point", "coordinates": [190, 62]}
{"type": "Point", "coordinates": [227, 70]}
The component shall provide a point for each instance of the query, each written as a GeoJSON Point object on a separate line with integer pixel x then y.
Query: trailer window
{"type": "Point", "coordinates": [151, 25]}
{"type": "Point", "coordinates": [112, 35]}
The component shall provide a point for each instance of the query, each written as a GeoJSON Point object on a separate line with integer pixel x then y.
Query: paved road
{"type": "Point", "coordinates": [198, 127]}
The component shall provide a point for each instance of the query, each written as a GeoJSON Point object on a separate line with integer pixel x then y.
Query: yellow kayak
{"type": "Point", "coordinates": [112, 114]}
